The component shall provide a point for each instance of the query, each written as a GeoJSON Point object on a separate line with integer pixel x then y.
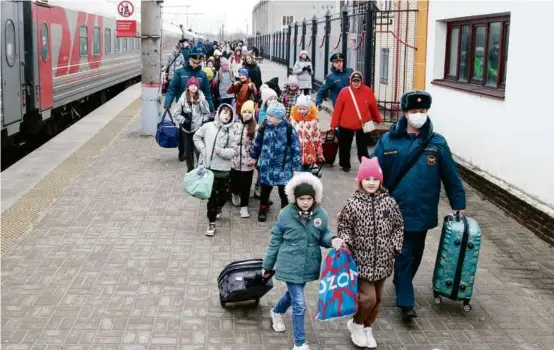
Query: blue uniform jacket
{"type": "Point", "coordinates": [418, 192]}
{"type": "Point", "coordinates": [185, 51]}
{"type": "Point", "coordinates": [179, 84]}
{"type": "Point", "coordinates": [334, 83]}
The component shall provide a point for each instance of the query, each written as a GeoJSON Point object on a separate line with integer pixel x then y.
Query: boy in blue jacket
{"type": "Point", "coordinates": [294, 250]}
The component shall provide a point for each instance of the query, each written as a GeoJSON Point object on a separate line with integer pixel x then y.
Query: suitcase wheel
{"type": "Point", "coordinates": [438, 300]}
{"type": "Point", "coordinates": [467, 306]}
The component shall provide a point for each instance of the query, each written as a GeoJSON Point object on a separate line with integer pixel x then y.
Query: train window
{"type": "Point", "coordinates": [10, 42]}
{"type": "Point", "coordinates": [107, 40]}
{"type": "Point", "coordinates": [96, 41]}
{"type": "Point", "coordinates": [83, 40]}
{"type": "Point", "coordinates": [44, 46]}
{"type": "Point", "coordinates": [124, 40]}
{"type": "Point", "coordinates": [117, 44]}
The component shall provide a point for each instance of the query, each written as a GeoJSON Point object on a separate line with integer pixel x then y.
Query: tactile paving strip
{"type": "Point", "coordinates": [28, 210]}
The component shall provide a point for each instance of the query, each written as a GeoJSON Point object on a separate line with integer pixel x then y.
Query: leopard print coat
{"type": "Point", "coordinates": [373, 228]}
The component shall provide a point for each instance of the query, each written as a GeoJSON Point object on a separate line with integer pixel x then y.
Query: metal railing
{"type": "Point", "coordinates": [385, 54]}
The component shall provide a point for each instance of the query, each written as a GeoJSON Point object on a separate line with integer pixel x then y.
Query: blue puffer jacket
{"type": "Point", "coordinates": [418, 192]}
{"type": "Point", "coordinates": [334, 82]}
{"type": "Point", "coordinates": [271, 154]}
{"type": "Point", "coordinates": [179, 84]}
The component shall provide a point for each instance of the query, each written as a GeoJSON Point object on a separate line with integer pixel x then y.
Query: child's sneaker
{"type": "Point", "coordinates": [277, 321]}
{"type": "Point", "coordinates": [210, 232]}
{"type": "Point", "coordinates": [244, 212]}
{"type": "Point", "coordinates": [219, 214]}
{"type": "Point", "coordinates": [371, 343]}
{"type": "Point", "coordinates": [235, 199]}
{"type": "Point", "coordinates": [357, 334]}
{"type": "Point", "coordinates": [301, 347]}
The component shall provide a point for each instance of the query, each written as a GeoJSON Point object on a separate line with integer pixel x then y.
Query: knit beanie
{"type": "Point", "coordinates": [243, 72]}
{"type": "Point", "coordinates": [369, 168]}
{"type": "Point", "coordinates": [267, 92]}
{"type": "Point", "coordinates": [304, 101]}
{"type": "Point", "coordinates": [193, 81]}
{"type": "Point", "coordinates": [209, 73]}
{"type": "Point", "coordinates": [248, 106]}
{"type": "Point", "coordinates": [276, 110]}
{"type": "Point", "coordinates": [304, 189]}
{"type": "Point", "coordinates": [293, 80]}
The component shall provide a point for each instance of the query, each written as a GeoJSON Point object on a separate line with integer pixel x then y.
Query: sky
{"type": "Point", "coordinates": [206, 15]}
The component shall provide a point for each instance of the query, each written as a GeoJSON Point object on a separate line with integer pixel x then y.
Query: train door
{"type": "Point", "coordinates": [44, 55]}
{"type": "Point", "coordinates": [13, 96]}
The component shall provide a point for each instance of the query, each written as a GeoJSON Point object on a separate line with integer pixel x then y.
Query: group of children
{"type": "Point", "coordinates": [282, 144]}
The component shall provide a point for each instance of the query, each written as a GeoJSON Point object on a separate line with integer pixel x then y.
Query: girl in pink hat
{"type": "Point", "coordinates": [372, 228]}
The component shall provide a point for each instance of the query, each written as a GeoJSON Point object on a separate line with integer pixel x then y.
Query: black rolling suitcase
{"type": "Point", "coordinates": [243, 281]}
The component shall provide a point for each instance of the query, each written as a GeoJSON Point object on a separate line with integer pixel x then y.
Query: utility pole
{"type": "Point", "coordinates": [151, 30]}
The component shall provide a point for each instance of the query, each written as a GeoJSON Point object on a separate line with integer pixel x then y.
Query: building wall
{"type": "Point", "coordinates": [267, 15]}
{"type": "Point", "coordinates": [395, 31]}
{"type": "Point", "coordinates": [509, 140]}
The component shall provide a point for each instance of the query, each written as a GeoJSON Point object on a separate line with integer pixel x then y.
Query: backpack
{"type": "Point", "coordinates": [261, 131]}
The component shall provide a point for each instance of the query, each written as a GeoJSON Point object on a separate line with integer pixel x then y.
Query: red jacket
{"type": "Point", "coordinates": [344, 113]}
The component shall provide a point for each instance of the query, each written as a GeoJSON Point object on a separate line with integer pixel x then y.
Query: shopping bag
{"type": "Point", "coordinates": [338, 286]}
{"type": "Point", "coordinates": [199, 182]}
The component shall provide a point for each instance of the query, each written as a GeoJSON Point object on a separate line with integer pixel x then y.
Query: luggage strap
{"type": "Point", "coordinates": [461, 258]}
{"type": "Point", "coordinates": [170, 117]}
{"type": "Point", "coordinates": [409, 165]}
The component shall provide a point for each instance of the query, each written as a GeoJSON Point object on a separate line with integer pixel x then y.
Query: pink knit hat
{"type": "Point", "coordinates": [369, 168]}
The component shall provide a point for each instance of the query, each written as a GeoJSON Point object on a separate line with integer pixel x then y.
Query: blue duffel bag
{"type": "Point", "coordinates": [167, 135]}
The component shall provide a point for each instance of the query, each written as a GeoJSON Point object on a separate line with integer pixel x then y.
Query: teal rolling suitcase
{"type": "Point", "coordinates": [457, 258]}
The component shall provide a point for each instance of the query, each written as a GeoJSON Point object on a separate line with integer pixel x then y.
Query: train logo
{"type": "Point", "coordinates": [125, 9]}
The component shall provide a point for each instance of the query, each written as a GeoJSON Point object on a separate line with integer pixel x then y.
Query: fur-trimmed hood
{"type": "Point", "coordinates": [304, 178]}
{"type": "Point", "coordinates": [312, 114]}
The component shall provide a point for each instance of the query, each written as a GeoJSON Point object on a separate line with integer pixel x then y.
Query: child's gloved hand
{"type": "Point", "coordinates": [337, 243]}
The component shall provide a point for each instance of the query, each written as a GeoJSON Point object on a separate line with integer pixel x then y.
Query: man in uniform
{"type": "Point", "coordinates": [415, 160]}
{"type": "Point", "coordinates": [179, 82]}
{"type": "Point", "coordinates": [185, 50]}
{"type": "Point", "coordinates": [334, 82]}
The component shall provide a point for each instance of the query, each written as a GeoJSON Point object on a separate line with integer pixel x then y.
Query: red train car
{"type": "Point", "coordinates": [55, 59]}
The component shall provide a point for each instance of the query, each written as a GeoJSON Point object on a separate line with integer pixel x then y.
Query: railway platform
{"type": "Point", "coordinates": [102, 249]}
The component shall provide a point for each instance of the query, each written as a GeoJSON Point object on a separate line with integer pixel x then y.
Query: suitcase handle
{"type": "Point", "coordinates": [258, 276]}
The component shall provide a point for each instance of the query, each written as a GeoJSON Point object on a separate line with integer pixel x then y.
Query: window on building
{"type": "Point", "coordinates": [96, 41]}
{"type": "Point", "coordinates": [44, 41]}
{"type": "Point", "coordinates": [117, 44]}
{"type": "Point", "coordinates": [384, 66]}
{"type": "Point", "coordinates": [476, 52]}
{"type": "Point", "coordinates": [124, 44]}
{"type": "Point", "coordinates": [287, 20]}
{"type": "Point", "coordinates": [107, 40]}
{"type": "Point", "coordinates": [83, 40]}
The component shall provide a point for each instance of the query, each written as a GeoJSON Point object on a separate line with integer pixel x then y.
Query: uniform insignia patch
{"type": "Point", "coordinates": [431, 160]}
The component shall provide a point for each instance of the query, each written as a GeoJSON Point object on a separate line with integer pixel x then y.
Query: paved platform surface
{"type": "Point", "coordinates": [117, 259]}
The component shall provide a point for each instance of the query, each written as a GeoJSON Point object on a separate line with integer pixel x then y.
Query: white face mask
{"type": "Point", "coordinates": [416, 120]}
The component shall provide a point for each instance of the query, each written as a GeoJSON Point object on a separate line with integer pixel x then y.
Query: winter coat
{"type": "Point", "coordinates": [242, 161]}
{"type": "Point", "coordinates": [308, 131]}
{"type": "Point", "coordinates": [304, 74]}
{"type": "Point", "coordinates": [236, 63]}
{"type": "Point", "coordinates": [418, 192]}
{"type": "Point", "coordinates": [288, 99]}
{"type": "Point", "coordinates": [179, 84]}
{"type": "Point", "coordinates": [225, 79]}
{"type": "Point", "coordinates": [262, 114]}
{"type": "Point", "coordinates": [200, 111]}
{"type": "Point", "coordinates": [294, 248]}
{"type": "Point", "coordinates": [185, 51]}
{"type": "Point", "coordinates": [372, 227]}
{"type": "Point", "coordinates": [334, 82]}
{"type": "Point", "coordinates": [270, 147]}
{"type": "Point", "coordinates": [345, 114]}
{"type": "Point", "coordinates": [254, 73]}
{"type": "Point", "coordinates": [173, 63]}
{"type": "Point", "coordinates": [243, 92]}
{"type": "Point", "coordinates": [212, 135]}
